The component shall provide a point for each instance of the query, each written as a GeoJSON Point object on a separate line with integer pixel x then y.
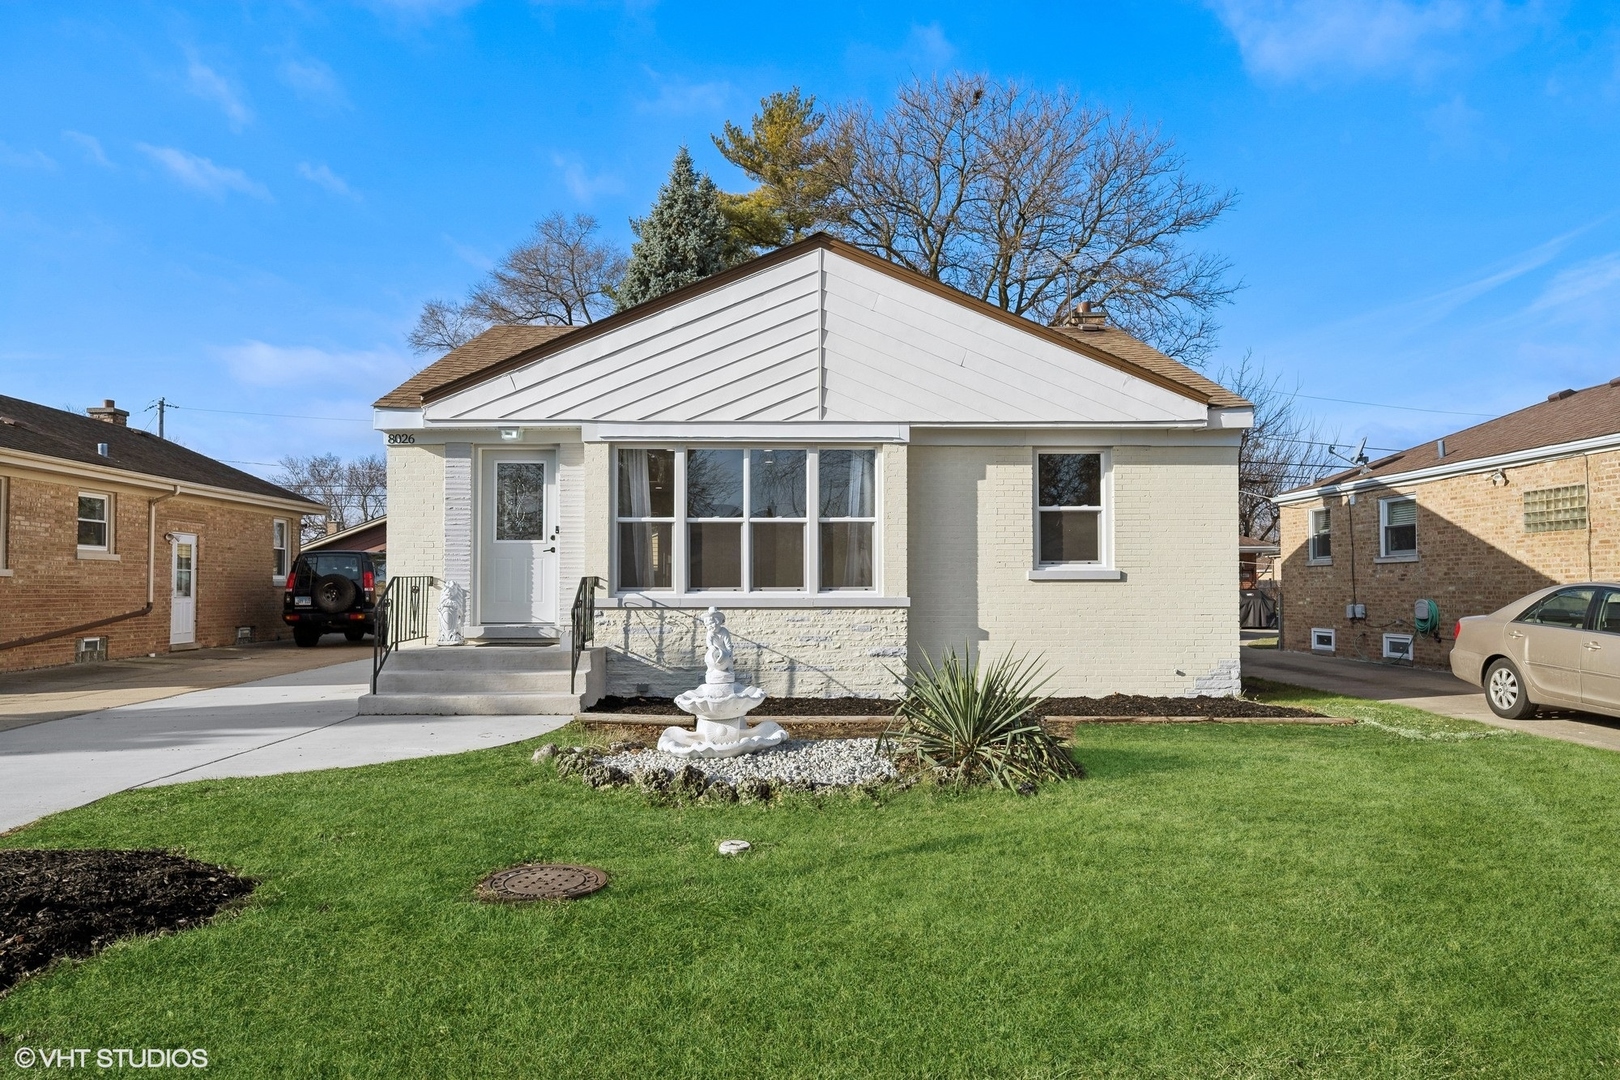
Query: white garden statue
{"type": "Point", "coordinates": [720, 705]}
{"type": "Point", "coordinates": [452, 614]}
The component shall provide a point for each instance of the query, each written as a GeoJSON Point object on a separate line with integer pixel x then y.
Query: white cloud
{"type": "Point", "coordinates": [25, 159]}
{"type": "Point", "coordinates": [1291, 39]}
{"type": "Point", "coordinates": [1586, 291]}
{"type": "Point", "coordinates": [258, 363]}
{"type": "Point", "coordinates": [313, 80]}
{"type": "Point", "coordinates": [925, 50]}
{"type": "Point", "coordinates": [90, 145]}
{"type": "Point", "coordinates": [200, 174]}
{"type": "Point", "coordinates": [681, 97]}
{"type": "Point", "coordinates": [469, 255]}
{"type": "Point", "coordinates": [1457, 124]}
{"type": "Point", "coordinates": [326, 178]}
{"type": "Point", "coordinates": [583, 186]}
{"type": "Point", "coordinates": [419, 9]}
{"type": "Point", "coordinates": [210, 85]}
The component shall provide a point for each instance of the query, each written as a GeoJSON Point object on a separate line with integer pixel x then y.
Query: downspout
{"type": "Point", "coordinates": [151, 584]}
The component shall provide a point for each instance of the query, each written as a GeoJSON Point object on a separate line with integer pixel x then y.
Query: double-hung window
{"type": "Point", "coordinates": [1069, 490]}
{"type": "Point", "coordinates": [278, 547]}
{"type": "Point", "coordinates": [95, 522]}
{"type": "Point", "coordinates": [1397, 527]}
{"type": "Point", "coordinates": [753, 519]}
{"type": "Point", "coordinates": [1321, 541]}
{"type": "Point", "coordinates": [5, 524]}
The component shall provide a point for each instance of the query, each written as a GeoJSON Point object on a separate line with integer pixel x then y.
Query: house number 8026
{"type": "Point", "coordinates": [401, 440]}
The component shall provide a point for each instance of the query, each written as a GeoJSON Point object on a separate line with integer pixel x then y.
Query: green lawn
{"type": "Point", "coordinates": [1420, 898]}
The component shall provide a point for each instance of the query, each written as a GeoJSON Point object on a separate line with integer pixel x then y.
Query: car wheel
{"type": "Point", "coordinates": [334, 593]}
{"type": "Point", "coordinates": [306, 639]}
{"type": "Point", "coordinates": [355, 635]}
{"type": "Point", "coordinates": [1506, 693]}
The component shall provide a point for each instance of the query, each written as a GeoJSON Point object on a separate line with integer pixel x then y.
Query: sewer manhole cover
{"type": "Point", "coordinates": [541, 881]}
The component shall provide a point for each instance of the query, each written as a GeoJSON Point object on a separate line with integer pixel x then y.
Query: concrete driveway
{"type": "Point", "coordinates": [290, 723]}
{"type": "Point", "coordinates": [1421, 688]}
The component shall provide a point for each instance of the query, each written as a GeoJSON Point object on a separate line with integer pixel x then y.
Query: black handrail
{"type": "Point", "coordinates": [583, 614]}
{"type": "Point", "coordinates": [402, 615]}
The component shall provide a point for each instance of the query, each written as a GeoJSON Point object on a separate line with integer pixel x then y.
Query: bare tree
{"type": "Point", "coordinates": [1281, 451]}
{"type": "Point", "coordinates": [1034, 202]}
{"type": "Point", "coordinates": [353, 492]}
{"type": "Point", "coordinates": [561, 275]}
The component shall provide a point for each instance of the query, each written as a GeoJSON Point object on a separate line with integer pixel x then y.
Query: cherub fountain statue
{"type": "Point", "coordinates": [720, 705]}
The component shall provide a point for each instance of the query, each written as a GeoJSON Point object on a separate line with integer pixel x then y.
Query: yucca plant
{"type": "Point", "coordinates": [976, 724]}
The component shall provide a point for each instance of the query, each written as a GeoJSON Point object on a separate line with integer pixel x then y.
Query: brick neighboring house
{"type": "Point", "coordinates": [116, 543]}
{"type": "Point", "coordinates": [1471, 522]}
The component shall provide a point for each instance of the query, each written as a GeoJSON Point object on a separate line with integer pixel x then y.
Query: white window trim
{"type": "Point", "coordinates": [1384, 554]}
{"type": "Point", "coordinates": [1311, 533]}
{"type": "Point", "coordinates": [95, 551]}
{"type": "Point", "coordinates": [1405, 654]}
{"type": "Point", "coordinates": [1101, 570]}
{"type": "Point", "coordinates": [286, 539]}
{"type": "Point", "coordinates": [680, 594]}
{"type": "Point", "coordinates": [1332, 636]}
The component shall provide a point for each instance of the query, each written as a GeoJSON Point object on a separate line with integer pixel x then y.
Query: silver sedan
{"type": "Point", "coordinates": [1558, 647]}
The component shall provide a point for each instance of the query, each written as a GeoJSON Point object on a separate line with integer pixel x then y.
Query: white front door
{"type": "Point", "coordinates": [517, 530]}
{"type": "Point", "coordinates": [182, 589]}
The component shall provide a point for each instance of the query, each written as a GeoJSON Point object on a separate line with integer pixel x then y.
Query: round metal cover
{"type": "Point", "coordinates": [542, 881]}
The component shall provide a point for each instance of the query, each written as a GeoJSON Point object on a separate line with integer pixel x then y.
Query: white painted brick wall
{"type": "Point", "coordinates": [572, 541]}
{"type": "Point", "coordinates": [458, 513]}
{"type": "Point", "coordinates": [1175, 535]}
{"type": "Point", "coordinates": [808, 652]}
{"type": "Point", "coordinates": [416, 510]}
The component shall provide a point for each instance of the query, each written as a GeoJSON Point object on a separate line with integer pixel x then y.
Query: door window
{"type": "Point", "coordinates": [520, 500]}
{"type": "Point", "coordinates": [182, 570]}
{"type": "Point", "coordinates": [1608, 617]}
{"type": "Point", "coordinates": [1566, 608]}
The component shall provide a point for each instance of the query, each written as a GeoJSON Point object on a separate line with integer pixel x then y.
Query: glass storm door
{"type": "Point", "coordinates": [517, 565]}
{"type": "Point", "coordinates": [183, 589]}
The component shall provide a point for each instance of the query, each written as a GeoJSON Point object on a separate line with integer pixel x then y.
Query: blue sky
{"type": "Point", "coordinates": [242, 206]}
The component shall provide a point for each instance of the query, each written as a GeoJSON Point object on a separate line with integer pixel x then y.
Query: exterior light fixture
{"type": "Point", "coordinates": [511, 434]}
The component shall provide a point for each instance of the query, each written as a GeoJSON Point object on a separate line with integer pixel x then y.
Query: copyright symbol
{"type": "Point", "coordinates": [24, 1057]}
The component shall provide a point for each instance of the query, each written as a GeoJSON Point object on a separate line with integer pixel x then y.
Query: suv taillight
{"type": "Point", "coordinates": [292, 580]}
{"type": "Point", "coordinates": [368, 581]}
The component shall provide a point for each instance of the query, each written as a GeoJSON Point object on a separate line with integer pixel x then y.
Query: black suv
{"type": "Point", "coordinates": [332, 592]}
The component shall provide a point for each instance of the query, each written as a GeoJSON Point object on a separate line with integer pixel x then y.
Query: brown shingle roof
{"type": "Point", "coordinates": [1584, 414]}
{"type": "Point", "coordinates": [40, 429]}
{"type": "Point", "coordinates": [1132, 350]}
{"type": "Point", "coordinates": [504, 348]}
{"type": "Point", "coordinates": [494, 345]}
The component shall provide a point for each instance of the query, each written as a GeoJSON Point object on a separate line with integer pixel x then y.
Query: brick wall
{"type": "Point", "coordinates": [1474, 554]}
{"type": "Point", "coordinates": [51, 587]}
{"type": "Point", "coordinates": [1169, 627]}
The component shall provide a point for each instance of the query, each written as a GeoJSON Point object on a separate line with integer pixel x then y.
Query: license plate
{"type": "Point", "coordinates": [303, 601]}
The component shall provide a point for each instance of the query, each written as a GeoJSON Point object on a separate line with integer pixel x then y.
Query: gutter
{"type": "Point", "coordinates": [151, 586]}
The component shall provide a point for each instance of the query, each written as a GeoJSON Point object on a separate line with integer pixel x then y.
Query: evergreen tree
{"type": "Point", "coordinates": [684, 238]}
{"type": "Point", "coordinates": [784, 152]}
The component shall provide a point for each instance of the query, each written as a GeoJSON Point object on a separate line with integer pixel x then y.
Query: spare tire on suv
{"type": "Point", "coordinates": [334, 593]}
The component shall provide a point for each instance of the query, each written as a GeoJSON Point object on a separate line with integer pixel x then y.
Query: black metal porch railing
{"type": "Point", "coordinates": [402, 615]}
{"type": "Point", "coordinates": [583, 615]}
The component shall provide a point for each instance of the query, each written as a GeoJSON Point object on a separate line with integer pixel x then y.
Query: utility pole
{"type": "Point", "coordinates": [162, 404]}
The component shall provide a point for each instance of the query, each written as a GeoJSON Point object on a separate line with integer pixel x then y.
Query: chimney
{"type": "Point", "coordinates": [1087, 317]}
{"type": "Point", "coordinates": [109, 413]}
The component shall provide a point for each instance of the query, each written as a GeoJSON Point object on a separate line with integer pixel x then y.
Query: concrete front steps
{"type": "Point", "coordinates": [486, 680]}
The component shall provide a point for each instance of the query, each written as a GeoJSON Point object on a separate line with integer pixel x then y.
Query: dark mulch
{"type": "Point", "coordinates": [1113, 705]}
{"type": "Point", "coordinates": [56, 904]}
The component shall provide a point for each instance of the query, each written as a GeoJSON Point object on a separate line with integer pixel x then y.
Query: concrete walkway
{"type": "Point", "coordinates": [32, 697]}
{"type": "Point", "coordinates": [1421, 688]}
{"type": "Point", "coordinates": [290, 723]}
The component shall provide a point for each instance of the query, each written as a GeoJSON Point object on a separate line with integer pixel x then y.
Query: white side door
{"type": "Point", "coordinates": [183, 589]}
{"type": "Point", "coordinates": [517, 545]}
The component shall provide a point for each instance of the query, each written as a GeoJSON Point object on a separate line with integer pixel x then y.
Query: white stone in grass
{"type": "Point", "coordinates": [734, 847]}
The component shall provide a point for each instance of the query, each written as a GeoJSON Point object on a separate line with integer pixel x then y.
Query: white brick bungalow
{"type": "Point", "coordinates": [859, 465]}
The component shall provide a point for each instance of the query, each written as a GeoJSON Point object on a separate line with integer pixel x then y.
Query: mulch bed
{"type": "Point", "coordinates": [56, 904]}
{"type": "Point", "coordinates": [1113, 705]}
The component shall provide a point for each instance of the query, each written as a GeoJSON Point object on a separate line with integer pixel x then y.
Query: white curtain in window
{"type": "Point", "coordinates": [860, 494]}
{"type": "Point", "coordinates": [634, 463]}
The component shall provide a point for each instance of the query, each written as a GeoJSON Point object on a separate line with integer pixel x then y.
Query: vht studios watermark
{"type": "Point", "coordinates": [84, 1057]}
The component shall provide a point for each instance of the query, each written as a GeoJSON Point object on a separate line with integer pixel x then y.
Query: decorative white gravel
{"type": "Point", "coordinates": [819, 762]}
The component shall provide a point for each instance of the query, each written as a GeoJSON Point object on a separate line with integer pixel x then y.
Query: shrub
{"type": "Point", "coordinates": [973, 724]}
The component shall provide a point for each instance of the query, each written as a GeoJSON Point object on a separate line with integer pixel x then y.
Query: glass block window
{"type": "Point", "coordinates": [1554, 509]}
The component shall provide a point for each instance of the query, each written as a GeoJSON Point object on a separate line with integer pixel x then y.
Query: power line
{"type": "Point", "coordinates": [1403, 408]}
{"type": "Point", "coordinates": [282, 416]}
